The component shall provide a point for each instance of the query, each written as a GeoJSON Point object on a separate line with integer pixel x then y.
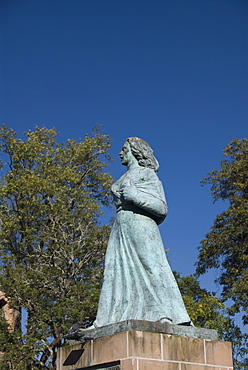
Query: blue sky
{"type": "Point", "coordinates": [172, 72]}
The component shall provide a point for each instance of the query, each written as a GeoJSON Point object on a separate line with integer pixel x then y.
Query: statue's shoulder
{"type": "Point", "coordinates": [147, 174]}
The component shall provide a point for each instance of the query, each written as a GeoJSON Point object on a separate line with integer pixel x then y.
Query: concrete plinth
{"type": "Point", "coordinates": [142, 350]}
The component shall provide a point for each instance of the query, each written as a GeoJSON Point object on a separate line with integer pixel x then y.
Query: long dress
{"type": "Point", "coordinates": [138, 281]}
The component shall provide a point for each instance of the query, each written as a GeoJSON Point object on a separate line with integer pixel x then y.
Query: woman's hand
{"type": "Point", "coordinates": [129, 192]}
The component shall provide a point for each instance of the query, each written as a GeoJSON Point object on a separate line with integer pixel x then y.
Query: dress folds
{"type": "Point", "coordinates": [138, 281]}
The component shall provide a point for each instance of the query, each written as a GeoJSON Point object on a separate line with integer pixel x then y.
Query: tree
{"type": "Point", "coordinates": [51, 242]}
{"type": "Point", "coordinates": [207, 311]}
{"type": "Point", "coordinates": [204, 308]}
{"type": "Point", "coordinates": [225, 247]}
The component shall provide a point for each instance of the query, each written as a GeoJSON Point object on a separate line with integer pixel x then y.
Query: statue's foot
{"type": "Point", "coordinates": [78, 327]}
{"type": "Point", "coordinates": [86, 329]}
{"type": "Point", "coordinates": [165, 320]}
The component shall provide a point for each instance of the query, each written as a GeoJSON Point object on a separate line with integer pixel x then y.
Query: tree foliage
{"type": "Point", "coordinates": [207, 311]}
{"type": "Point", "coordinates": [51, 242]}
{"type": "Point", "coordinates": [203, 307]}
{"type": "Point", "coordinates": [225, 247]}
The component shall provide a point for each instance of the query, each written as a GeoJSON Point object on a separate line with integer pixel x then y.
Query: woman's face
{"type": "Point", "coordinates": [126, 154]}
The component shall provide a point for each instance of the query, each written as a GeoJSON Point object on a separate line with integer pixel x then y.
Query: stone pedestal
{"type": "Point", "coordinates": [144, 350]}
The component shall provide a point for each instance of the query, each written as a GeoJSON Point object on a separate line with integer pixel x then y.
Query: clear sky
{"type": "Point", "coordinates": [172, 72]}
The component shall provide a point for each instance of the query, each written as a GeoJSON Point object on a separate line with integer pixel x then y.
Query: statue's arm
{"type": "Point", "coordinates": [149, 196]}
{"type": "Point", "coordinates": [152, 204]}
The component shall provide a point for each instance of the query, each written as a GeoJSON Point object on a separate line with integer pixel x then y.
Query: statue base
{"type": "Point", "coordinates": [140, 345]}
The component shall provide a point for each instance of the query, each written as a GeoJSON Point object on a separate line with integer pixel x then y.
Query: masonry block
{"type": "Point", "coordinates": [141, 350]}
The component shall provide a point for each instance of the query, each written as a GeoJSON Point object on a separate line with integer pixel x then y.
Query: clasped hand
{"type": "Point", "coordinates": [129, 192]}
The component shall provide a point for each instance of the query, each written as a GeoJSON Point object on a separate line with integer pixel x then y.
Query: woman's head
{"type": "Point", "coordinates": [142, 151]}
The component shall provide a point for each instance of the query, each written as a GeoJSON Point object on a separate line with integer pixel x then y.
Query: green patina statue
{"type": "Point", "coordinates": [138, 281]}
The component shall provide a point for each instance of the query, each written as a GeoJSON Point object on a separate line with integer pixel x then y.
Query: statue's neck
{"type": "Point", "coordinates": [131, 166]}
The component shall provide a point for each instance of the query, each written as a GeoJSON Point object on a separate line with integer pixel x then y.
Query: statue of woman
{"type": "Point", "coordinates": [138, 281]}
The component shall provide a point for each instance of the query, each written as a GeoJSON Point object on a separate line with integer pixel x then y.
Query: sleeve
{"type": "Point", "coordinates": [150, 201]}
{"type": "Point", "coordinates": [147, 192]}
